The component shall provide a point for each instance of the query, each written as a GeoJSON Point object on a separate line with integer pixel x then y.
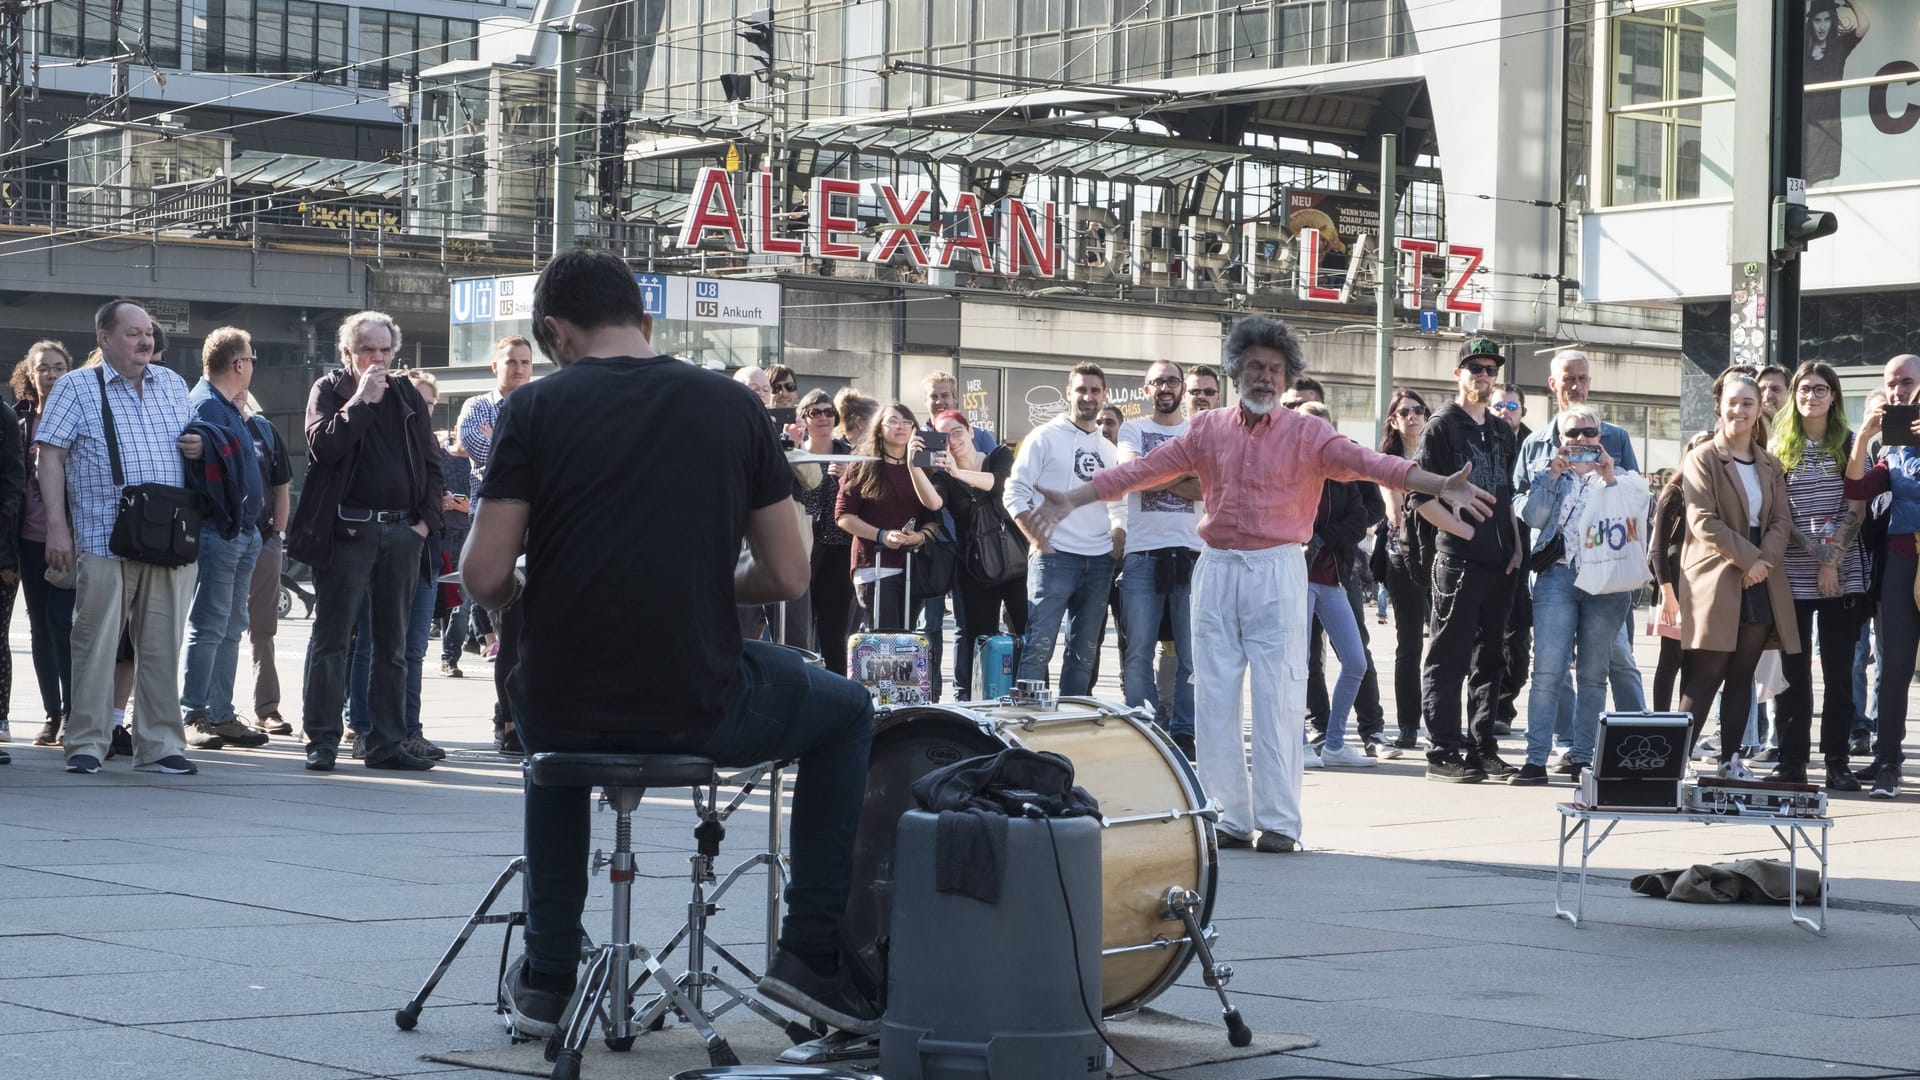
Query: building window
{"type": "Point", "coordinates": [395, 44]}
{"type": "Point", "coordinates": [280, 38]}
{"type": "Point", "coordinates": [1670, 104]}
{"type": "Point", "coordinates": [87, 28]}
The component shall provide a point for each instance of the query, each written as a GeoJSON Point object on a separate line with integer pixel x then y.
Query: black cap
{"type": "Point", "coordinates": [1483, 347]}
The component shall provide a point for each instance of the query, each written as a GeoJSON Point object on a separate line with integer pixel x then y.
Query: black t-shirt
{"type": "Point", "coordinates": [381, 478]}
{"type": "Point", "coordinates": [640, 475]}
{"type": "Point", "coordinates": [1453, 439]}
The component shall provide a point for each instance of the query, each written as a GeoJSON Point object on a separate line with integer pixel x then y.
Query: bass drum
{"type": "Point", "coordinates": [1154, 841]}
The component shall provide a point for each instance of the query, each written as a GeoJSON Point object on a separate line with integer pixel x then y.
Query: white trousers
{"type": "Point", "coordinates": [1250, 617]}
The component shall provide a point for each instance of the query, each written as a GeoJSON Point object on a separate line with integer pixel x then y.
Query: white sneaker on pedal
{"type": "Point", "coordinates": [1735, 769]}
{"type": "Point", "coordinates": [1345, 757]}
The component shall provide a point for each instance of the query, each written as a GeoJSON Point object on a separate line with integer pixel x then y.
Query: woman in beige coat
{"type": "Point", "coordinates": [1735, 602]}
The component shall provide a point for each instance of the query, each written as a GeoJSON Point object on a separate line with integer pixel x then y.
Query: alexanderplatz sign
{"type": "Point", "coordinates": [1321, 239]}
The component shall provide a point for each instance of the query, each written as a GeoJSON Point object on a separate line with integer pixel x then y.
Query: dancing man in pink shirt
{"type": "Point", "coordinates": [1261, 469]}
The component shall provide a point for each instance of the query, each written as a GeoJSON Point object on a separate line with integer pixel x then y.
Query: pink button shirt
{"type": "Point", "coordinates": [1261, 483]}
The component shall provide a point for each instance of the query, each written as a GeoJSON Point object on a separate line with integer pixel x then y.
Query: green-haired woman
{"type": "Point", "coordinates": [1828, 572]}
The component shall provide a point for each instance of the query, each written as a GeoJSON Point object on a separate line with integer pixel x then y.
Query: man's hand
{"type": "Point", "coordinates": [1446, 519]}
{"type": "Point", "coordinates": [1758, 573]}
{"type": "Point", "coordinates": [1463, 497]}
{"type": "Point", "coordinates": [1046, 517]}
{"type": "Point", "coordinates": [420, 529]}
{"type": "Point", "coordinates": [1828, 579]}
{"type": "Point", "coordinates": [373, 386]}
{"type": "Point", "coordinates": [60, 547]}
{"type": "Point", "coordinates": [11, 575]}
{"type": "Point", "coordinates": [191, 447]}
{"type": "Point", "coordinates": [1513, 564]}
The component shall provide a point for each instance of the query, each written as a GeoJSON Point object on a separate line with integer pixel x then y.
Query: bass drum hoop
{"type": "Point", "coordinates": [994, 734]}
{"type": "Point", "coordinates": [1205, 842]}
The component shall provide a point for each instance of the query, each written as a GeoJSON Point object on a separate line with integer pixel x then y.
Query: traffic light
{"type": "Point", "coordinates": [759, 34]}
{"type": "Point", "coordinates": [1795, 226]}
{"type": "Point", "coordinates": [736, 87]}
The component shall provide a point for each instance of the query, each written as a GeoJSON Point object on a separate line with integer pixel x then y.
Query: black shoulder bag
{"type": "Point", "coordinates": [157, 524]}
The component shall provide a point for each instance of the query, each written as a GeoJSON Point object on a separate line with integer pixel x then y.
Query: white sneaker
{"type": "Point", "coordinates": [1735, 769]}
{"type": "Point", "coordinates": [1312, 760]}
{"type": "Point", "coordinates": [1345, 757]}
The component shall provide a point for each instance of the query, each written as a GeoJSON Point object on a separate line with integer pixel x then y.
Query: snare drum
{"type": "Point", "coordinates": [1156, 839]}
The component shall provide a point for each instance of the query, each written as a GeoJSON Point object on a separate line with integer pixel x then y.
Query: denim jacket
{"type": "Point", "coordinates": [1538, 450]}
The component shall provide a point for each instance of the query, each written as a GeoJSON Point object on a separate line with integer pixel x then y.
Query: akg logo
{"type": "Point", "coordinates": [1644, 753]}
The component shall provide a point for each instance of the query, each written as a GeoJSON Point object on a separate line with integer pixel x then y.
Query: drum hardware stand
{"type": "Point", "coordinates": [409, 1014]}
{"type": "Point", "coordinates": [1184, 905]}
{"type": "Point", "coordinates": [703, 905]}
{"type": "Point", "coordinates": [1034, 693]}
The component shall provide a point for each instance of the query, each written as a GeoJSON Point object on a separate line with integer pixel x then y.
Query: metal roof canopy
{"type": "Point", "coordinates": [299, 172]}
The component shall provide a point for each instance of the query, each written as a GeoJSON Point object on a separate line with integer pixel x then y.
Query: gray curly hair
{"type": "Point", "coordinates": [1262, 332]}
{"type": "Point", "coordinates": [352, 327]}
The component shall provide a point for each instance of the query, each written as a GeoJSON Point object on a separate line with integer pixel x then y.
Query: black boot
{"type": "Point", "coordinates": [1839, 776]}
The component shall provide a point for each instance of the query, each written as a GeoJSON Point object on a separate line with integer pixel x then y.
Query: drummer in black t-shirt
{"type": "Point", "coordinates": [602, 543]}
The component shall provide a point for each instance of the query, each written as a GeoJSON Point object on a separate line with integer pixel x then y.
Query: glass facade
{"type": "Point", "coordinates": [1073, 41]}
{"type": "Point", "coordinates": [395, 44]}
{"type": "Point", "coordinates": [1669, 103]}
{"type": "Point", "coordinates": [275, 37]}
{"type": "Point", "coordinates": [94, 28]}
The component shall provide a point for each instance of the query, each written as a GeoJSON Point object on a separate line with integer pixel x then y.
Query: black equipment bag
{"type": "Point", "coordinates": [157, 524]}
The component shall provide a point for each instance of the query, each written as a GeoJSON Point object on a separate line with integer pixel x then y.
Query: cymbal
{"type": "Point", "coordinates": [802, 457]}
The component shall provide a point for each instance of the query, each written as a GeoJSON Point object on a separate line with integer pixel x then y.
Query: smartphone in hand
{"type": "Point", "coordinates": [1579, 454]}
{"type": "Point", "coordinates": [924, 459]}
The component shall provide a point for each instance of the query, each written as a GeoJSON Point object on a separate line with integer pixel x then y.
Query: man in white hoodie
{"type": "Point", "coordinates": [1071, 571]}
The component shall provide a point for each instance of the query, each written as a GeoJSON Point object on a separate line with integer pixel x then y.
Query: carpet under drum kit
{"type": "Point", "coordinates": [1134, 893]}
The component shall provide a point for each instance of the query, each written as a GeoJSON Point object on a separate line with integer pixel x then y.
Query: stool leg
{"type": "Point", "coordinates": [620, 873]}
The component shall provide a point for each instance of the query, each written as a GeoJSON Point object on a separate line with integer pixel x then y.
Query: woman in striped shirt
{"type": "Point", "coordinates": [1827, 570]}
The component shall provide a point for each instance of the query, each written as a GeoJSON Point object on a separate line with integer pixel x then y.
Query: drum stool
{"type": "Point", "coordinates": [604, 996]}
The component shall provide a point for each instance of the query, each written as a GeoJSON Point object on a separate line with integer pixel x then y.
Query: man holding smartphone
{"type": "Point", "coordinates": [1897, 472]}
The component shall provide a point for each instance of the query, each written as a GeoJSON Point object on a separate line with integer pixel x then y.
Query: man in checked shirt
{"type": "Point", "coordinates": [1261, 469]}
{"type": "Point", "coordinates": [512, 368]}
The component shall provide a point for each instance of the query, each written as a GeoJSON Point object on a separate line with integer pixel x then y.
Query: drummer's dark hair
{"type": "Point", "coordinates": [590, 289]}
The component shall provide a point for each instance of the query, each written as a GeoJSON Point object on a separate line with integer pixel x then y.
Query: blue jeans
{"type": "Point", "coordinates": [1334, 608]}
{"type": "Point", "coordinates": [1140, 610]}
{"type": "Point", "coordinates": [1569, 623]}
{"type": "Point", "coordinates": [419, 628]}
{"type": "Point", "coordinates": [787, 709]}
{"type": "Point", "coordinates": [1623, 673]}
{"type": "Point", "coordinates": [1072, 588]}
{"type": "Point", "coordinates": [217, 622]}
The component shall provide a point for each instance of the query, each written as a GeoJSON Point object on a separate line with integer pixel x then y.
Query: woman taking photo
{"type": "Point", "coordinates": [1828, 573]}
{"type": "Point", "coordinates": [49, 609]}
{"type": "Point", "coordinates": [1407, 416]}
{"type": "Point", "coordinates": [972, 483]}
{"type": "Point", "coordinates": [1567, 621]}
{"type": "Point", "coordinates": [832, 588]}
{"type": "Point", "coordinates": [1735, 602]}
{"type": "Point", "coordinates": [889, 506]}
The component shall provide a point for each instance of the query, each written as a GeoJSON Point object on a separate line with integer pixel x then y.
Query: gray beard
{"type": "Point", "coordinates": [1259, 408]}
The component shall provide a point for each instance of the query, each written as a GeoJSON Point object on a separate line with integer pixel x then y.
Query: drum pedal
{"type": "Point", "coordinates": [833, 1047]}
{"type": "Point", "coordinates": [1185, 903]}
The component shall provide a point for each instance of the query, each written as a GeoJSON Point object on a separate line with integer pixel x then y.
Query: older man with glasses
{"type": "Point", "coordinates": [1571, 381]}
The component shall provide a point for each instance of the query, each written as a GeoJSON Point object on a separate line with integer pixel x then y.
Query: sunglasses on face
{"type": "Point", "coordinates": [1198, 392]}
{"type": "Point", "coordinates": [818, 413]}
{"type": "Point", "coordinates": [783, 387]}
{"type": "Point", "coordinates": [1507, 406]}
{"type": "Point", "coordinates": [1581, 433]}
{"type": "Point", "coordinates": [1481, 369]}
{"type": "Point", "coordinates": [1407, 412]}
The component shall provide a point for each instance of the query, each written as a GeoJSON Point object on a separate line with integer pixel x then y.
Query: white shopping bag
{"type": "Point", "coordinates": [1611, 538]}
{"type": "Point", "coordinates": [1770, 676]}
